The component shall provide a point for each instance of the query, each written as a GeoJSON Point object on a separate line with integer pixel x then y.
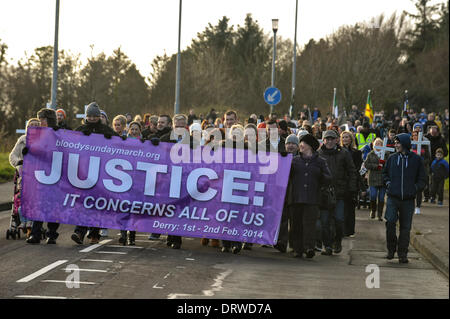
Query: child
{"type": "Point", "coordinates": [439, 169]}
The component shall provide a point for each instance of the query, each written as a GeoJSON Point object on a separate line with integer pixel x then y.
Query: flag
{"type": "Point", "coordinates": [369, 108]}
{"type": "Point", "coordinates": [406, 103]}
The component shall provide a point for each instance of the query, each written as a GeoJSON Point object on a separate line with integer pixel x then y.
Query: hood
{"type": "Point", "coordinates": [404, 139]}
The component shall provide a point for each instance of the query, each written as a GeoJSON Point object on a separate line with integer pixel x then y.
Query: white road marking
{"type": "Point", "coordinates": [98, 260]}
{"type": "Point", "coordinates": [180, 267]}
{"type": "Point", "coordinates": [70, 282]}
{"type": "Point", "coordinates": [88, 270]}
{"type": "Point", "coordinates": [216, 286]}
{"type": "Point", "coordinates": [42, 271]}
{"type": "Point", "coordinates": [165, 277]}
{"type": "Point", "coordinates": [39, 297]}
{"type": "Point", "coordinates": [120, 246]}
{"type": "Point", "coordinates": [190, 259]}
{"type": "Point", "coordinates": [91, 248]}
{"type": "Point", "coordinates": [157, 287]}
{"type": "Point", "coordinates": [111, 252]}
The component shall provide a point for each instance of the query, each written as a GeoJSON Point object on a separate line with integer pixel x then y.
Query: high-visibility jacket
{"type": "Point", "coordinates": [362, 141]}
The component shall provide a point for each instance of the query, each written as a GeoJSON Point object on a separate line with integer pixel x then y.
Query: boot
{"type": "Point", "coordinates": [28, 232]}
{"type": "Point", "coordinates": [380, 210]}
{"type": "Point", "coordinates": [373, 208]}
{"type": "Point", "coordinates": [123, 237]}
{"type": "Point", "coordinates": [132, 238]}
{"type": "Point", "coordinates": [205, 241]}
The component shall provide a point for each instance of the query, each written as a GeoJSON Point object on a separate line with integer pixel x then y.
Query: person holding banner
{"type": "Point", "coordinates": [47, 118]}
{"type": "Point", "coordinates": [92, 124]}
{"type": "Point", "coordinates": [309, 172]}
{"type": "Point", "coordinates": [374, 164]}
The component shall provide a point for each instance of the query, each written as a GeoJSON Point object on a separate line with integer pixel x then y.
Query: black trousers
{"type": "Point", "coordinates": [349, 217]}
{"type": "Point", "coordinates": [36, 230]}
{"type": "Point", "coordinates": [304, 218]}
{"type": "Point", "coordinates": [437, 188]}
{"type": "Point", "coordinates": [285, 231]}
{"type": "Point", "coordinates": [94, 232]}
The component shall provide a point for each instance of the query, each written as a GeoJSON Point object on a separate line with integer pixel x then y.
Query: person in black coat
{"type": "Point", "coordinates": [309, 172]}
{"type": "Point", "coordinates": [343, 170]}
{"type": "Point", "coordinates": [94, 125]}
{"type": "Point", "coordinates": [348, 142]}
{"type": "Point", "coordinates": [404, 176]}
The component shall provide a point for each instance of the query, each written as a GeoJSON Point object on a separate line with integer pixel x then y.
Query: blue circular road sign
{"type": "Point", "coordinates": [272, 95]}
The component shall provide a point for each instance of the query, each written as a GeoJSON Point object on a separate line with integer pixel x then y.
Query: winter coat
{"type": "Point", "coordinates": [437, 142]}
{"type": "Point", "coordinates": [342, 169]}
{"type": "Point", "coordinates": [375, 174]}
{"type": "Point", "coordinates": [16, 156]}
{"type": "Point", "coordinates": [307, 176]}
{"type": "Point", "coordinates": [440, 169]}
{"type": "Point", "coordinates": [357, 160]}
{"type": "Point", "coordinates": [97, 128]}
{"type": "Point", "coordinates": [146, 134]}
{"type": "Point", "coordinates": [404, 174]}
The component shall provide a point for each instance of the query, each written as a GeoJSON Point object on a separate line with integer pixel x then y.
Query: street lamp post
{"type": "Point", "coordinates": [294, 62]}
{"type": "Point", "coordinates": [55, 60]}
{"type": "Point", "coordinates": [177, 84]}
{"type": "Point", "coordinates": [275, 29]}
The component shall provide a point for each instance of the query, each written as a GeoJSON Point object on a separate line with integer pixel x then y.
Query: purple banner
{"type": "Point", "coordinates": [172, 189]}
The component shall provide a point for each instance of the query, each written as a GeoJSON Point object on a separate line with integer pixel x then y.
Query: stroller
{"type": "Point", "coordinates": [16, 225]}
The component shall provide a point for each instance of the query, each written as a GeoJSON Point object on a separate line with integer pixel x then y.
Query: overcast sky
{"type": "Point", "coordinates": [146, 28]}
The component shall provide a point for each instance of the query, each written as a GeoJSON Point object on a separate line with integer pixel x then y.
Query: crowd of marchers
{"type": "Point", "coordinates": [336, 163]}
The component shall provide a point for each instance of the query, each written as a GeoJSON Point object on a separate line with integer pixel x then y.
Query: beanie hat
{"type": "Point", "coordinates": [48, 114]}
{"type": "Point", "coordinates": [93, 110]}
{"type": "Point", "coordinates": [292, 139]}
{"type": "Point", "coordinates": [195, 127]}
{"type": "Point", "coordinates": [62, 112]}
{"type": "Point", "coordinates": [301, 133]}
{"type": "Point", "coordinates": [418, 124]}
{"type": "Point", "coordinates": [104, 114]}
{"type": "Point", "coordinates": [311, 141]}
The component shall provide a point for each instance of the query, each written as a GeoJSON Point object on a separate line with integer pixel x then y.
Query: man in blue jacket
{"type": "Point", "coordinates": [404, 176]}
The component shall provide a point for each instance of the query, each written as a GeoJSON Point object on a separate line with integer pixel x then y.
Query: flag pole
{"type": "Point", "coordinates": [334, 101]}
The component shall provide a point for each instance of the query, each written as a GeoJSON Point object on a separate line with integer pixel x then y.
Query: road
{"type": "Point", "coordinates": [151, 270]}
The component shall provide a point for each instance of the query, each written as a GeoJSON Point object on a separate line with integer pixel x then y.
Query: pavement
{"type": "Point", "coordinates": [155, 271]}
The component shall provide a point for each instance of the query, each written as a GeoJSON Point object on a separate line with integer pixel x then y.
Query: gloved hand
{"type": "Point", "coordinates": [123, 137]}
{"type": "Point", "coordinates": [284, 154]}
{"type": "Point", "coordinates": [155, 141]}
{"type": "Point", "coordinates": [87, 133]}
{"type": "Point", "coordinates": [25, 151]}
{"type": "Point", "coordinates": [20, 162]}
{"type": "Point", "coordinates": [55, 128]}
{"type": "Point", "coordinates": [380, 164]}
{"type": "Point", "coordinates": [142, 140]}
{"type": "Point", "coordinates": [107, 135]}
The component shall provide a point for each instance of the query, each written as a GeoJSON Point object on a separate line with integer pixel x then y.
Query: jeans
{"type": "Point", "coordinates": [332, 220]}
{"type": "Point", "coordinates": [402, 211]}
{"type": "Point", "coordinates": [377, 191]}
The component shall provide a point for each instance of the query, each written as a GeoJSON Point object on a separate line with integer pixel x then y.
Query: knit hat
{"type": "Point", "coordinates": [311, 141]}
{"type": "Point", "coordinates": [418, 124]}
{"type": "Point", "coordinates": [195, 127]}
{"type": "Point", "coordinates": [93, 110]}
{"type": "Point", "coordinates": [62, 112]}
{"type": "Point", "coordinates": [292, 139]}
{"type": "Point", "coordinates": [104, 114]}
{"type": "Point", "coordinates": [301, 132]}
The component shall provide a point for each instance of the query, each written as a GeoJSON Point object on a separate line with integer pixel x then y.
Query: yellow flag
{"type": "Point", "coordinates": [369, 109]}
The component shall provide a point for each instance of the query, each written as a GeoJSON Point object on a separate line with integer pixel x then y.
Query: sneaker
{"type": "Point", "coordinates": [337, 247]}
{"type": "Point", "coordinates": [33, 240]}
{"type": "Point", "coordinates": [280, 247]}
{"type": "Point", "coordinates": [310, 253]}
{"type": "Point", "coordinates": [440, 204]}
{"type": "Point", "coordinates": [235, 250]}
{"type": "Point", "coordinates": [77, 238]}
{"type": "Point", "coordinates": [327, 252]}
{"type": "Point", "coordinates": [390, 255]}
{"type": "Point", "coordinates": [352, 236]}
{"type": "Point", "coordinates": [247, 246]}
{"type": "Point", "coordinates": [176, 246]}
{"type": "Point", "coordinates": [51, 241]}
{"type": "Point", "coordinates": [225, 249]}
{"type": "Point", "coordinates": [123, 240]}
{"type": "Point", "coordinates": [104, 232]}
{"type": "Point", "coordinates": [318, 248]}
{"type": "Point", "coordinates": [417, 211]}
